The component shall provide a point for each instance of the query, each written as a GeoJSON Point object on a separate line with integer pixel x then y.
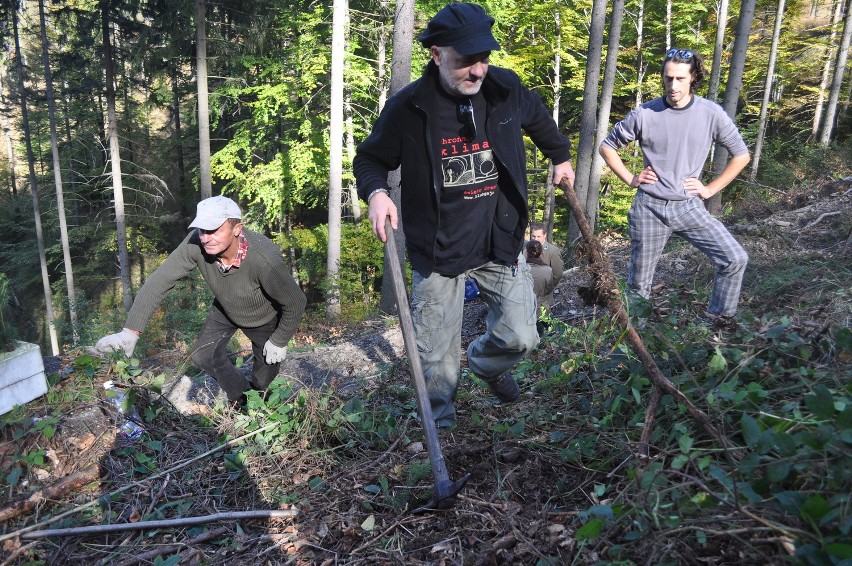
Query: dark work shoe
{"type": "Point", "coordinates": [504, 387]}
{"type": "Point", "coordinates": [238, 404]}
{"type": "Point", "coordinates": [718, 321]}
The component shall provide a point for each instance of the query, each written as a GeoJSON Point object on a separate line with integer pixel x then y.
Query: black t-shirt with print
{"type": "Point", "coordinates": [470, 185]}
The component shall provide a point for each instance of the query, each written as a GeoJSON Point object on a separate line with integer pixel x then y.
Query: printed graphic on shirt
{"type": "Point", "coordinates": [468, 165]}
{"type": "Point", "coordinates": [467, 160]}
{"type": "Point", "coordinates": [468, 197]}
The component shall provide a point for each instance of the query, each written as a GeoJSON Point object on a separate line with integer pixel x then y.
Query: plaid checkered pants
{"type": "Point", "coordinates": [652, 221]}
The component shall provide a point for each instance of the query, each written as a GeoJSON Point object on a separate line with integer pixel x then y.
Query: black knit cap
{"type": "Point", "coordinates": [463, 26]}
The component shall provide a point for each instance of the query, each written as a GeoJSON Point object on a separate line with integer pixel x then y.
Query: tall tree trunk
{"type": "Point", "coordinates": [178, 145]}
{"type": "Point", "coordinates": [733, 86]}
{"type": "Point", "coordinates": [354, 201]}
{"type": "Point", "coordinates": [349, 133]}
{"type": "Point", "coordinates": [767, 91]}
{"type": "Point", "coordinates": [640, 61]}
{"type": "Point", "coordinates": [837, 83]}
{"type": "Point", "coordinates": [7, 137]}
{"type": "Point", "coordinates": [403, 36]}
{"type": "Point", "coordinates": [668, 24]}
{"type": "Point", "coordinates": [335, 159]}
{"type": "Point", "coordinates": [57, 178]}
{"type": "Point", "coordinates": [550, 190]}
{"type": "Point", "coordinates": [607, 88]}
{"type": "Point", "coordinates": [115, 159]}
{"type": "Point", "coordinates": [718, 48]}
{"type": "Point", "coordinates": [204, 179]}
{"type": "Point", "coordinates": [588, 117]}
{"type": "Point", "coordinates": [42, 255]}
{"type": "Point", "coordinates": [826, 70]}
{"type": "Point", "coordinates": [382, 54]}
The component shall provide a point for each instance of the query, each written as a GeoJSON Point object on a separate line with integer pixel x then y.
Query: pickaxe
{"type": "Point", "coordinates": [445, 490]}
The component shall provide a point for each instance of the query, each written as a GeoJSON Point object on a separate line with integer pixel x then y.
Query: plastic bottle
{"type": "Point", "coordinates": [129, 428]}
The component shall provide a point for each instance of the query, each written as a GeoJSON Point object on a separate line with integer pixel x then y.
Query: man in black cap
{"type": "Point", "coordinates": [457, 134]}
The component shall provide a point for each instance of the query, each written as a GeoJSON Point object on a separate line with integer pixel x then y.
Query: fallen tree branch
{"type": "Point", "coordinates": [164, 523]}
{"type": "Point", "coordinates": [606, 292]}
{"type": "Point", "coordinates": [173, 548]}
{"type": "Point", "coordinates": [61, 487]}
{"type": "Point", "coordinates": [822, 217]}
{"type": "Point", "coordinates": [122, 489]}
{"type": "Point", "coordinates": [13, 557]}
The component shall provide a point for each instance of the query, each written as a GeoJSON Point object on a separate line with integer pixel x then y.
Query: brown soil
{"type": "Point", "coordinates": [354, 492]}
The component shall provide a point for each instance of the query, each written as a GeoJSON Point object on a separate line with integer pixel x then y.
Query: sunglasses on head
{"type": "Point", "coordinates": [466, 116]}
{"type": "Point", "coordinates": [683, 54]}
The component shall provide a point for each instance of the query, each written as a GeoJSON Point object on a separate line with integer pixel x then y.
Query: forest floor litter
{"type": "Point", "coordinates": [351, 491]}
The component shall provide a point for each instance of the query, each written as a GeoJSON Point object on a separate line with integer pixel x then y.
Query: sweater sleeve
{"type": "Point", "coordinates": [624, 131]}
{"type": "Point", "coordinates": [729, 137]}
{"type": "Point", "coordinates": [178, 265]}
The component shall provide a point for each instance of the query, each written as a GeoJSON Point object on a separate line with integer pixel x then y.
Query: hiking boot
{"type": "Point", "coordinates": [718, 321]}
{"type": "Point", "coordinates": [504, 387]}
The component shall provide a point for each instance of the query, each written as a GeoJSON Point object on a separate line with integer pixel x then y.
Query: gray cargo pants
{"type": "Point", "coordinates": [437, 306]}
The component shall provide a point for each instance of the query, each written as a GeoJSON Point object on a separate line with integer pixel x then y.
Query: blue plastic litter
{"type": "Point", "coordinates": [471, 290]}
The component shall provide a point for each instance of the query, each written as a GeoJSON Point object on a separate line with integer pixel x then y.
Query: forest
{"type": "Point", "coordinates": [120, 115]}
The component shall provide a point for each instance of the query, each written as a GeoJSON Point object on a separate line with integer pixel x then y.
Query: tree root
{"type": "Point", "coordinates": [165, 523]}
{"type": "Point", "coordinates": [606, 292]}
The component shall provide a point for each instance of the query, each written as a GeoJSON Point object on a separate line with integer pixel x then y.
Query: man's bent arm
{"type": "Point", "coordinates": [615, 163]}
{"type": "Point", "coordinates": [729, 173]}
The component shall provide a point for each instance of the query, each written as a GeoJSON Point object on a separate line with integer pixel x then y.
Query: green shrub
{"type": "Point", "coordinates": [361, 266]}
{"type": "Point", "coordinates": [8, 333]}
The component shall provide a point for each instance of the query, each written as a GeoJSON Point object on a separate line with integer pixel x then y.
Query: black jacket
{"type": "Point", "coordinates": [401, 137]}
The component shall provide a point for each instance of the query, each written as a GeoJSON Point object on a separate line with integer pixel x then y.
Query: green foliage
{"type": "Point", "coordinates": [26, 456]}
{"type": "Point", "coordinates": [782, 393]}
{"type": "Point", "coordinates": [8, 333]}
{"type": "Point", "coordinates": [361, 262]}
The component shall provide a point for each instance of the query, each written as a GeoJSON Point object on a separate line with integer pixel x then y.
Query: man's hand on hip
{"type": "Point", "coordinates": [381, 207]}
{"type": "Point", "coordinates": [124, 341]}
{"type": "Point", "coordinates": [695, 187]}
{"type": "Point", "coordinates": [274, 354]}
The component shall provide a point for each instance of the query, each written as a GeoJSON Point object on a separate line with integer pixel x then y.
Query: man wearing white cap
{"type": "Point", "coordinates": [253, 289]}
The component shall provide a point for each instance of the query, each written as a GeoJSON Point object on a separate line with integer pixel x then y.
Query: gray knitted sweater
{"type": "Point", "coordinates": [251, 295]}
{"type": "Point", "coordinates": [675, 142]}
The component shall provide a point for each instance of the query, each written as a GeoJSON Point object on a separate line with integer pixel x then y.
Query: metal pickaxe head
{"type": "Point", "coordinates": [444, 495]}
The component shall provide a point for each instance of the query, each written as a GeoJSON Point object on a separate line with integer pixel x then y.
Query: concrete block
{"type": "Point", "coordinates": [22, 377]}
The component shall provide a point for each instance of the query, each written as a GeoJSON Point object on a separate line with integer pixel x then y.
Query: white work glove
{"type": "Point", "coordinates": [274, 354]}
{"type": "Point", "coordinates": [124, 340]}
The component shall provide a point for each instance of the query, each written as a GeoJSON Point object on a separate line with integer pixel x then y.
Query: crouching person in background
{"type": "Point", "coordinates": [544, 282]}
{"type": "Point", "coordinates": [253, 289]}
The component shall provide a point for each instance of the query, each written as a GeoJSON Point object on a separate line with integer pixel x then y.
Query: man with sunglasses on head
{"type": "Point", "coordinates": [457, 135]}
{"type": "Point", "coordinates": [676, 132]}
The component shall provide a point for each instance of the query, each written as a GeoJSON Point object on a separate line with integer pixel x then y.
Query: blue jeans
{"type": "Point", "coordinates": [437, 307]}
{"type": "Point", "coordinates": [210, 353]}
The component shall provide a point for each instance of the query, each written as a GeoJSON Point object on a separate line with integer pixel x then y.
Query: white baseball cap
{"type": "Point", "coordinates": [214, 211]}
